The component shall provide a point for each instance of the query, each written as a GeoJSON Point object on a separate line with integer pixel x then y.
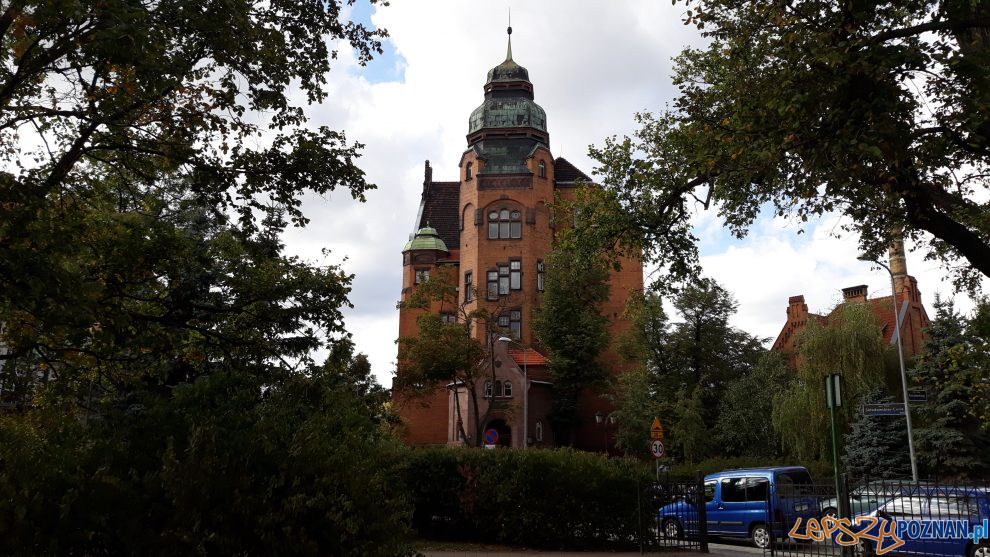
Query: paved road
{"type": "Point", "coordinates": [716, 549]}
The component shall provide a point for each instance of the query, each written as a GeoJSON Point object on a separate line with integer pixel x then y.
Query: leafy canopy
{"type": "Point", "coordinates": [878, 111]}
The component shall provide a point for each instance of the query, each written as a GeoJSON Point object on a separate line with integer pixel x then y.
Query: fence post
{"type": "Point", "coordinates": [844, 510]}
{"type": "Point", "coordinates": [702, 513]}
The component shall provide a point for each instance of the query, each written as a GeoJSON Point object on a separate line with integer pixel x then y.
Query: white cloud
{"type": "Point", "coordinates": [593, 65]}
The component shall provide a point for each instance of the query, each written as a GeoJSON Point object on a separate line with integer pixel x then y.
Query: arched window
{"type": "Point", "coordinates": [543, 169]}
{"type": "Point", "coordinates": [507, 389]}
{"type": "Point", "coordinates": [468, 171]}
{"type": "Point", "coordinates": [504, 224]}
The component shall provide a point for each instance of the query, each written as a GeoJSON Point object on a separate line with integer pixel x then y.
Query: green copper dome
{"type": "Point", "coordinates": [426, 238]}
{"type": "Point", "coordinates": [512, 112]}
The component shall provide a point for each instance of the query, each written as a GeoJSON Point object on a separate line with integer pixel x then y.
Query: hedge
{"type": "Point", "coordinates": [543, 499]}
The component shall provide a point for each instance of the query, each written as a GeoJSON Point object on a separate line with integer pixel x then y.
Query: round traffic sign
{"type": "Point", "coordinates": [491, 436]}
{"type": "Point", "coordinates": [656, 447]}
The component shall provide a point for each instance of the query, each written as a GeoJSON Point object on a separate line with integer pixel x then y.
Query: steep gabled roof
{"type": "Point", "coordinates": [566, 173]}
{"type": "Point", "coordinates": [440, 201]}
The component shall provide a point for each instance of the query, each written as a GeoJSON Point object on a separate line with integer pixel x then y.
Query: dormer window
{"type": "Point", "coordinates": [543, 169]}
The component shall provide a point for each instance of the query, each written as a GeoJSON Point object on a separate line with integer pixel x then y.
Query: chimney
{"type": "Point", "coordinates": [427, 174]}
{"type": "Point", "coordinates": [797, 310]}
{"type": "Point", "coordinates": [854, 293]}
{"type": "Point", "coordinates": [898, 263]}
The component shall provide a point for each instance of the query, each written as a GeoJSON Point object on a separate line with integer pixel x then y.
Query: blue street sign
{"type": "Point", "coordinates": [917, 395]}
{"type": "Point", "coordinates": [884, 409]}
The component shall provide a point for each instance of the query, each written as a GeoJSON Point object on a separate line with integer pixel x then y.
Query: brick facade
{"type": "Point", "coordinates": [496, 220]}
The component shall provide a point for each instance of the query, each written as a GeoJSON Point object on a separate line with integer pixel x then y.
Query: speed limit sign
{"type": "Point", "coordinates": [656, 447]}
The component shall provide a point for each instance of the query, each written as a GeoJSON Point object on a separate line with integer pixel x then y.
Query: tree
{"type": "Point", "coordinates": [877, 446]}
{"type": "Point", "coordinates": [878, 111]}
{"type": "Point", "coordinates": [444, 352]}
{"type": "Point", "coordinates": [851, 345]}
{"type": "Point", "coordinates": [569, 324]}
{"type": "Point", "coordinates": [744, 426]}
{"type": "Point", "coordinates": [950, 435]}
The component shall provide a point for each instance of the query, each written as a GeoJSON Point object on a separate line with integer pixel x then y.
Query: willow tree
{"type": "Point", "coordinates": [849, 344]}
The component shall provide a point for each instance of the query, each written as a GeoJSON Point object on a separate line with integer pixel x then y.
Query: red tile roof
{"type": "Point", "coordinates": [529, 357]}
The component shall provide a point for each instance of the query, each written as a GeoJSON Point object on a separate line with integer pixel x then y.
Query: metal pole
{"type": "Point", "coordinates": [835, 448]}
{"type": "Point", "coordinates": [900, 357]}
{"type": "Point", "coordinates": [525, 399]}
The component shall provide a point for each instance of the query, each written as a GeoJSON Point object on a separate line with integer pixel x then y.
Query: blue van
{"type": "Point", "coordinates": [762, 504]}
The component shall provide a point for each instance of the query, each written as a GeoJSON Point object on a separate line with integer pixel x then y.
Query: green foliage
{"type": "Point", "coordinates": [636, 405]}
{"type": "Point", "coordinates": [877, 446]}
{"type": "Point", "coordinates": [950, 433]}
{"type": "Point", "coordinates": [689, 367]}
{"type": "Point", "coordinates": [571, 328]}
{"type": "Point", "coordinates": [879, 111]}
{"type": "Point", "coordinates": [744, 426]}
{"type": "Point", "coordinates": [851, 345]}
{"type": "Point", "coordinates": [545, 499]}
{"type": "Point", "coordinates": [223, 467]}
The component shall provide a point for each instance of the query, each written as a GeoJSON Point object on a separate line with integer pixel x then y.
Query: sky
{"type": "Point", "coordinates": [593, 65]}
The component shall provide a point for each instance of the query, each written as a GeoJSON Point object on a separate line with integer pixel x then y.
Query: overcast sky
{"type": "Point", "coordinates": [593, 66]}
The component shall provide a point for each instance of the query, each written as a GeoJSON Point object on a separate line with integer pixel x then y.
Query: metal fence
{"type": "Point", "coordinates": [674, 517]}
{"type": "Point", "coordinates": [870, 517]}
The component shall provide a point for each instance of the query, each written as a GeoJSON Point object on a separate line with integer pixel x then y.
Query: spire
{"type": "Point", "coordinates": [508, 52]}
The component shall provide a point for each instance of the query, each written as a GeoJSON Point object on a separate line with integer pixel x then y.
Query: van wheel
{"type": "Point", "coordinates": [672, 529]}
{"type": "Point", "coordinates": [830, 512]}
{"type": "Point", "coordinates": [981, 549]}
{"type": "Point", "coordinates": [761, 536]}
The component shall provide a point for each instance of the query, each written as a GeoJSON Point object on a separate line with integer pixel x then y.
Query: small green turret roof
{"type": "Point", "coordinates": [426, 238]}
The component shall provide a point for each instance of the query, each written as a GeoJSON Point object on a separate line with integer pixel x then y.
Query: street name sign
{"type": "Point", "coordinates": [884, 409]}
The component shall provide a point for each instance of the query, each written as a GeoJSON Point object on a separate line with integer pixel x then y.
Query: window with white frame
{"type": "Point", "coordinates": [507, 389]}
{"type": "Point", "coordinates": [504, 224]}
{"type": "Point", "coordinates": [539, 276]}
{"type": "Point", "coordinates": [515, 274]}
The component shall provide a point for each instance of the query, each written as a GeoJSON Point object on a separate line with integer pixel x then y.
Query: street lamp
{"type": "Point", "coordinates": [525, 390]}
{"type": "Point", "coordinates": [900, 357]}
{"type": "Point", "coordinates": [604, 421]}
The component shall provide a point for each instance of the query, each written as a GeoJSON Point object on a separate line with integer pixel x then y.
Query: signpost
{"type": "Point", "coordinates": [833, 399]}
{"type": "Point", "coordinates": [656, 442]}
{"type": "Point", "coordinates": [656, 430]}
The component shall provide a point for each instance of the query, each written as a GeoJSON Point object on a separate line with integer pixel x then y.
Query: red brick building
{"type": "Point", "coordinates": [492, 228]}
{"type": "Point", "coordinates": [913, 317]}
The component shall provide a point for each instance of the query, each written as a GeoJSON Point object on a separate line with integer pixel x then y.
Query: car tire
{"type": "Point", "coordinates": [830, 511]}
{"type": "Point", "coordinates": [671, 529]}
{"type": "Point", "coordinates": [981, 549]}
{"type": "Point", "coordinates": [760, 534]}
{"type": "Point", "coordinates": [863, 549]}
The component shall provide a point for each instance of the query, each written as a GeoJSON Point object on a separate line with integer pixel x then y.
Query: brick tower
{"type": "Point", "coordinates": [492, 229]}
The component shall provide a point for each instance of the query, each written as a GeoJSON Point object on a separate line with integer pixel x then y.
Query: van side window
{"type": "Point", "coordinates": [756, 489]}
{"type": "Point", "coordinates": [733, 490]}
{"type": "Point", "coordinates": [709, 491]}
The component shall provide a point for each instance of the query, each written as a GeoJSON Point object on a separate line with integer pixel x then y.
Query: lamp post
{"type": "Point", "coordinates": [525, 348]}
{"type": "Point", "coordinates": [900, 357]}
{"type": "Point", "coordinates": [604, 421]}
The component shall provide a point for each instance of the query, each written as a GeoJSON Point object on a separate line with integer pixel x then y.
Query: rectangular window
{"type": "Point", "coordinates": [733, 490]}
{"type": "Point", "coordinates": [504, 229]}
{"type": "Point", "coordinates": [503, 321]}
{"type": "Point", "coordinates": [757, 489]}
{"type": "Point", "coordinates": [539, 276]}
{"type": "Point", "coordinates": [492, 230]}
{"type": "Point", "coordinates": [515, 323]}
{"type": "Point", "coordinates": [448, 318]}
{"type": "Point", "coordinates": [516, 229]}
{"type": "Point", "coordinates": [468, 286]}
{"type": "Point", "coordinates": [503, 279]}
{"type": "Point", "coordinates": [422, 275]}
{"type": "Point", "coordinates": [492, 285]}
{"type": "Point", "coordinates": [515, 274]}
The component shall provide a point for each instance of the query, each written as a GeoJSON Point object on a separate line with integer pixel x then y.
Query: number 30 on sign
{"type": "Point", "coordinates": [656, 447]}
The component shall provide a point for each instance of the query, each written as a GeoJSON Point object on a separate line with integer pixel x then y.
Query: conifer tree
{"type": "Point", "coordinates": [877, 446]}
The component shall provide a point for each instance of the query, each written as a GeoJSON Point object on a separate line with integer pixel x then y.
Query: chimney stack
{"type": "Point", "coordinates": [898, 263]}
{"type": "Point", "coordinates": [854, 293]}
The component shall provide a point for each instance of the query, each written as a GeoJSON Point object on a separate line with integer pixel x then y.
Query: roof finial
{"type": "Point", "coordinates": [508, 53]}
